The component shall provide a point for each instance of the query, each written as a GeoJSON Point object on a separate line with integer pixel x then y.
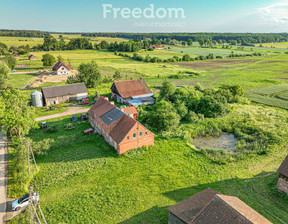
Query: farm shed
{"type": "Point", "coordinates": [157, 47]}
{"type": "Point", "coordinates": [209, 206]}
{"type": "Point", "coordinates": [131, 112]}
{"type": "Point", "coordinates": [61, 69]}
{"type": "Point", "coordinates": [282, 184]}
{"type": "Point", "coordinates": [132, 92]}
{"type": "Point", "coordinates": [32, 57]}
{"type": "Point", "coordinates": [61, 94]}
{"type": "Point", "coordinates": [121, 131]}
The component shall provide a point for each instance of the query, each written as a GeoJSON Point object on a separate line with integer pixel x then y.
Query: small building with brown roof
{"type": "Point", "coordinates": [131, 112]}
{"type": "Point", "coordinates": [65, 93]}
{"type": "Point", "coordinates": [211, 207]}
{"type": "Point", "coordinates": [155, 47]}
{"type": "Point", "coordinates": [118, 129]}
{"type": "Point", "coordinates": [282, 184]}
{"type": "Point", "coordinates": [32, 57]}
{"type": "Point", "coordinates": [132, 92]}
{"type": "Point", "coordinates": [61, 69]}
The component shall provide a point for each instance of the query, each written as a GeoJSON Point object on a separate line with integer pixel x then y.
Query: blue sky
{"type": "Point", "coordinates": [200, 16]}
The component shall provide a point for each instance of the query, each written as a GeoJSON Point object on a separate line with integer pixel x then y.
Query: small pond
{"type": "Point", "coordinates": [226, 142]}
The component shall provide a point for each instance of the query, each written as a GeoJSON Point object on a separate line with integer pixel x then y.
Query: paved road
{"type": "Point", "coordinates": [3, 175]}
{"type": "Point", "coordinates": [71, 111]}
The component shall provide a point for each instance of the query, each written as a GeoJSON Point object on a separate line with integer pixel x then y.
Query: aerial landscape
{"type": "Point", "coordinates": [136, 112]}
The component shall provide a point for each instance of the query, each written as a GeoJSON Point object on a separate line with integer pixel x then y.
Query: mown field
{"type": "Point", "coordinates": [283, 45]}
{"type": "Point", "coordinates": [84, 177]}
{"type": "Point", "coordinates": [18, 41]}
{"type": "Point", "coordinates": [276, 96]}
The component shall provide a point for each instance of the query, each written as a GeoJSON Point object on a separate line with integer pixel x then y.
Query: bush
{"type": "Point", "coordinates": [53, 128]}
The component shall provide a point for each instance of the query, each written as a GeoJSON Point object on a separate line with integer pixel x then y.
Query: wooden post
{"type": "Point", "coordinates": [28, 157]}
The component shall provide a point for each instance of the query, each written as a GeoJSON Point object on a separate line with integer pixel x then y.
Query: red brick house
{"type": "Point", "coordinates": [131, 112]}
{"type": "Point", "coordinates": [119, 130]}
{"type": "Point", "coordinates": [210, 207]}
{"type": "Point", "coordinates": [282, 184]}
{"type": "Point", "coordinates": [132, 92]}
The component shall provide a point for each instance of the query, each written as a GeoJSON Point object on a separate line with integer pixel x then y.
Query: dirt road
{"type": "Point", "coordinates": [3, 174]}
{"type": "Point", "coordinates": [70, 111]}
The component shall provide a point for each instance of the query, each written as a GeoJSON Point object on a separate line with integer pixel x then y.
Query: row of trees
{"type": "Point", "coordinates": [233, 38]}
{"type": "Point", "coordinates": [189, 104]}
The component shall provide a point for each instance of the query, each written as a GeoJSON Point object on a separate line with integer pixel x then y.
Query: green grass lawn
{"type": "Point", "coordinates": [20, 80]}
{"type": "Point", "coordinates": [84, 177]}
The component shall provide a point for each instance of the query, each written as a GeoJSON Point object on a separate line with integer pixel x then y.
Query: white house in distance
{"type": "Point", "coordinates": [61, 69]}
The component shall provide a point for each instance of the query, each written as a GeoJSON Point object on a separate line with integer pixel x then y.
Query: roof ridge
{"type": "Point", "coordinates": [244, 217]}
{"type": "Point", "coordinates": [194, 217]}
{"type": "Point", "coordinates": [63, 85]}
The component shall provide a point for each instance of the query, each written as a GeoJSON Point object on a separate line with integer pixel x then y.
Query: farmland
{"type": "Point", "coordinates": [137, 188]}
{"type": "Point", "coordinates": [84, 177]}
{"type": "Point", "coordinates": [276, 96]}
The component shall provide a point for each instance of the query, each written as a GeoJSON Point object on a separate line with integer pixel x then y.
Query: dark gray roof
{"type": "Point", "coordinates": [65, 90]}
{"type": "Point", "coordinates": [112, 116]}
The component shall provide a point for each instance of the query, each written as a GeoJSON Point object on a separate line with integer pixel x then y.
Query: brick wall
{"type": "Point", "coordinates": [130, 142]}
{"type": "Point", "coordinates": [282, 185]}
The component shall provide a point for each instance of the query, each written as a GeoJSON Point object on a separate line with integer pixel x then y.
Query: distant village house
{"type": "Point", "coordinates": [32, 57]}
{"type": "Point", "coordinates": [119, 130]}
{"type": "Point", "coordinates": [65, 93]}
{"type": "Point", "coordinates": [210, 207]}
{"type": "Point", "coordinates": [155, 47]}
{"type": "Point", "coordinates": [282, 184]}
{"type": "Point", "coordinates": [131, 112]}
{"type": "Point", "coordinates": [61, 69]}
{"type": "Point", "coordinates": [132, 92]}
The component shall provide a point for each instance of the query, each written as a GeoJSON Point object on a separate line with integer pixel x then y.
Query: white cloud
{"type": "Point", "coordinates": [277, 13]}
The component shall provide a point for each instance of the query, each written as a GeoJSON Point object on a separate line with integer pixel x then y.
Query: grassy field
{"type": "Point", "coordinates": [18, 41]}
{"type": "Point", "coordinates": [20, 80]}
{"type": "Point", "coordinates": [276, 96]}
{"type": "Point", "coordinates": [283, 45]}
{"type": "Point", "coordinates": [206, 51]}
{"type": "Point", "coordinates": [84, 177]}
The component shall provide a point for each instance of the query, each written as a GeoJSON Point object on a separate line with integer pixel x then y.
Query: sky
{"type": "Point", "coordinates": [128, 15]}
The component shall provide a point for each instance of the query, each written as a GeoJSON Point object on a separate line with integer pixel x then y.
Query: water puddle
{"type": "Point", "coordinates": [226, 142]}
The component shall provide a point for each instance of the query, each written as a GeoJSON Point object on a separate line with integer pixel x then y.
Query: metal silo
{"type": "Point", "coordinates": [37, 99]}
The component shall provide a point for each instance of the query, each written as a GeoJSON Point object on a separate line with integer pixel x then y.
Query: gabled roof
{"type": "Point", "coordinates": [122, 128]}
{"type": "Point", "coordinates": [64, 90]}
{"type": "Point", "coordinates": [130, 110]}
{"type": "Point", "coordinates": [187, 209]}
{"type": "Point", "coordinates": [58, 65]}
{"type": "Point", "coordinates": [209, 207]}
{"type": "Point", "coordinates": [283, 169]}
{"type": "Point", "coordinates": [102, 106]}
{"type": "Point", "coordinates": [131, 88]}
{"type": "Point", "coordinates": [112, 115]}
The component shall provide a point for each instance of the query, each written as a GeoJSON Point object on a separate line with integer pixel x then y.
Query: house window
{"type": "Point", "coordinates": [115, 145]}
{"type": "Point", "coordinates": [62, 68]}
{"type": "Point", "coordinates": [146, 133]}
{"type": "Point", "coordinates": [128, 137]}
{"type": "Point", "coordinates": [106, 135]}
{"type": "Point", "coordinates": [140, 133]}
{"type": "Point", "coordinates": [110, 139]}
{"type": "Point", "coordinates": [106, 126]}
{"type": "Point", "coordinates": [134, 135]}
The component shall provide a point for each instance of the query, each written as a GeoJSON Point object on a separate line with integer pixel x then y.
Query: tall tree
{"type": "Point", "coordinates": [48, 60]}
{"type": "Point", "coordinates": [4, 71]}
{"type": "Point", "coordinates": [89, 74]}
{"type": "Point", "coordinates": [18, 117]}
{"type": "Point", "coordinates": [10, 61]}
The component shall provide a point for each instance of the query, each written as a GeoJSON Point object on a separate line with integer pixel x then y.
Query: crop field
{"type": "Point", "coordinates": [18, 41]}
{"type": "Point", "coordinates": [84, 177]}
{"type": "Point", "coordinates": [162, 54]}
{"type": "Point", "coordinates": [283, 45]}
{"type": "Point", "coordinates": [249, 72]}
{"type": "Point", "coordinates": [276, 96]}
{"type": "Point", "coordinates": [20, 80]}
{"type": "Point", "coordinates": [206, 51]}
